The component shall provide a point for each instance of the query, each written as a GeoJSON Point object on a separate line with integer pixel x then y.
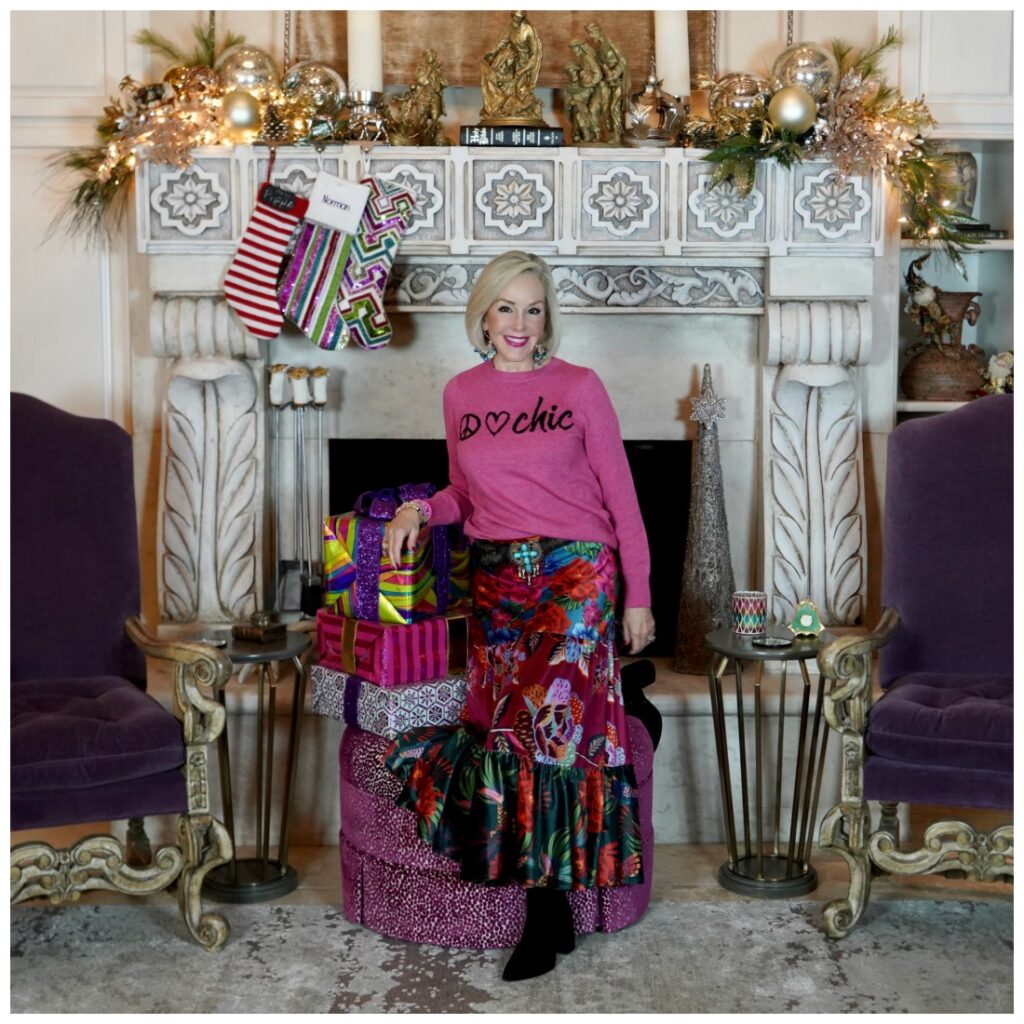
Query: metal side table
{"type": "Point", "coordinates": [771, 863]}
{"type": "Point", "coordinates": [251, 880]}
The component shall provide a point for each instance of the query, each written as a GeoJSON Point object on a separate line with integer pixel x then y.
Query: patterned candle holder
{"type": "Point", "coordinates": [749, 612]}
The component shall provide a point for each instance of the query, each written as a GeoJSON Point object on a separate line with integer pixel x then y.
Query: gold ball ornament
{"type": "Point", "coordinates": [792, 109]}
{"type": "Point", "coordinates": [242, 115]}
{"type": "Point", "coordinates": [808, 65]}
{"type": "Point", "coordinates": [316, 86]}
{"type": "Point", "coordinates": [739, 93]}
{"type": "Point", "coordinates": [248, 69]}
{"type": "Point", "coordinates": [201, 82]}
{"type": "Point", "coordinates": [176, 78]}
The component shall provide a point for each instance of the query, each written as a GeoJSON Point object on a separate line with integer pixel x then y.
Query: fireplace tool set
{"type": "Point", "coordinates": [290, 389]}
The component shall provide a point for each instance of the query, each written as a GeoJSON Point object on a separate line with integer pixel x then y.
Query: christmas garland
{"type": "Point", "coordinates": [848, 115]}
{"type": "Point", "coordinates": [858, 122]}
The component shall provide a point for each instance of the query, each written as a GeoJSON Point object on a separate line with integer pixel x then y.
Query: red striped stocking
{"type": "Point", "coordinates": [250, 284]}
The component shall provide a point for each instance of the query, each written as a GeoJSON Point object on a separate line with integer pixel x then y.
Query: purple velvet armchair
{"type": "Point", "coordinates": [942, 731]}
{"type": "Point", "coordinates": [87, 743]}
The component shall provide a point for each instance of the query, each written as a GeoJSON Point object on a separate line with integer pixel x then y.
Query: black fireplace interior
{"type": "Point", "coordinates": [661, 473]}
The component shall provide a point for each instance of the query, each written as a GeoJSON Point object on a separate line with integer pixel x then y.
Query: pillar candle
{"type": "Point", "coordinates": [318, 375]}
{"type": "Point", "coordinates": [672, 51]}
{"type": "Point", "coordinates": [365, 53]}
{"type": "Point", "coordinates": [277, 378]}
{"type": "Point", "coordinates": [299, 376]}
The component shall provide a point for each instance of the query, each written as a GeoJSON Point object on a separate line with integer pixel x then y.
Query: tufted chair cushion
{"type": "Point", "coordinates": [957, 721]}
{"type": "Point", "coordinates": [95, 746]}
{"type": "Point", "coordinates": [938, 738]}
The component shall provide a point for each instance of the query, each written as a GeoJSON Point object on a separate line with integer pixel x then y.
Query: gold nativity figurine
{"type": "Point", "coordinates": [508, 76]}
{"type": "Point", "coordinates": [597, 96]}
{"type": "Point", "coordinates": [416, 118]}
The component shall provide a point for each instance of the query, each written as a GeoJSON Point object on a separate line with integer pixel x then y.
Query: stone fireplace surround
{"type": "Point", "coordinates": [657, 274]}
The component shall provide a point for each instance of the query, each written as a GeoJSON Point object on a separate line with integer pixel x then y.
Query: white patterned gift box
{"type": "Point", "coordinates": [387, 711]}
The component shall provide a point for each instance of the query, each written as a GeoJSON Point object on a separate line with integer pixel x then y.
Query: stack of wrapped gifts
{"type": "Point", "coordinates": [391, 642]}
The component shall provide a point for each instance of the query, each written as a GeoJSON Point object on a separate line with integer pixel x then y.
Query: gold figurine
{"type": "Point", "coordinates": [597, 96]}
{"type": "Point", "coordinates": [616, 77]}
{"type": "Point", "coordinates": [508, 76]}
{"type": "Point", "coordinates": [417, 119]}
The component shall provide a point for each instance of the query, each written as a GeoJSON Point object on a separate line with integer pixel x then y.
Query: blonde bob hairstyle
{"type": "Point", "coordinates": [491, 283]}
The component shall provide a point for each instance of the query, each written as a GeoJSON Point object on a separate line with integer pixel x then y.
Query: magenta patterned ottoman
{"type": "Point", "coordinates": [394, 884]}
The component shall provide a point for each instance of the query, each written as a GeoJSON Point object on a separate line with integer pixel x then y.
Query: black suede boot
{"type": "Point", "coordinates": [635, 677]}
{"type": "Point", "coordinates": [534, 954]}
{"type": "Point", "coordinates": [563, 929]}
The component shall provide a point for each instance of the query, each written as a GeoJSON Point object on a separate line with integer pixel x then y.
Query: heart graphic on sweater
{"type": "Point", "coordinates": [496, 421]}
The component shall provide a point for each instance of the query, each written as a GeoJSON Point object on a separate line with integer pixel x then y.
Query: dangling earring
{"type": "Point", "coordinates": [540, 353]}
{"type": "Point", "coordinates": [489, 354]}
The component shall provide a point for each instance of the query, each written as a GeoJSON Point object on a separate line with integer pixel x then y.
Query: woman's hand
{"type": "Point", "coordinates": [400, 533]}
{"type": "Point", "coordinates": [637, 628]}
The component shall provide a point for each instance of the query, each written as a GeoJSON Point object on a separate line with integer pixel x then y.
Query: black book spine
{"type": "Point", "coordinates": [477, 135]}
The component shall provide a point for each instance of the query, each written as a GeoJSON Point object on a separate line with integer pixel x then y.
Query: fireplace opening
{"type": "Point", "coordinates": [661, 474]}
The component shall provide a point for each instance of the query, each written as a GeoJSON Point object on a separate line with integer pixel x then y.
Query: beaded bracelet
{"type": "Point", "coordinates": [422, 508]}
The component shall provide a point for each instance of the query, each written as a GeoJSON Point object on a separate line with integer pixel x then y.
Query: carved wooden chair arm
{"type": "Point", "coordinates": [847, 662]}
{"type": "Point", "coordinates": [195, 665]}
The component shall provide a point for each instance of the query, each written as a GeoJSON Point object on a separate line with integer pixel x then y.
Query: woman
{"type": "Point", "coordinates": [536, 785]}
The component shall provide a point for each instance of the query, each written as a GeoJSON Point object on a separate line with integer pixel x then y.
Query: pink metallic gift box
{"type": "Point", "coordinates": [392, 654]}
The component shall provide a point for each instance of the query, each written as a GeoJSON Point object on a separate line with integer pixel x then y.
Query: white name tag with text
{"type": "Point", "coordinates": [336, 203]}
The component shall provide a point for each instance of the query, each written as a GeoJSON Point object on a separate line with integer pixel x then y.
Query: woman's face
{"type": "Point", "coordinates": [515, 322]}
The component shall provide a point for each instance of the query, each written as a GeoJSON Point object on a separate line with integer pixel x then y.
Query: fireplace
{"type": "Point", "coordinates": [773, 290]}
{"type": "Point", "coordinates": [661, 474]}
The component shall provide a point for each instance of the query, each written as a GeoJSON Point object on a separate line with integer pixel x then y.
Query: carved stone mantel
{"type": "Point", "coordinates": [632, 231]}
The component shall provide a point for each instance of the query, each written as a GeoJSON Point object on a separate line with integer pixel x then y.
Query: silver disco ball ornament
{"type": "Point", "coordinates": [316, 86]}
{"type": "Point", "coordinates": [793, 109]}
{"type": "Point", "coordinates": [808, 65]}
{"type": "Point", "coordinates": [248, 69]}
{"type": "Point", "coordinates": [739, 93]}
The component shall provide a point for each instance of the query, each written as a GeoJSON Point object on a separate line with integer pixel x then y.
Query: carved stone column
{"type": "Point", "coordinates": [812, 457]}
{"type": "Point", "coordinates": [212, 466]}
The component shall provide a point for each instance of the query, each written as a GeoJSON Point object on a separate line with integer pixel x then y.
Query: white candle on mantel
{"type": "Point", "coordinates": [365, 51]}
{"type": "Point", "coordinates": [671, 51]}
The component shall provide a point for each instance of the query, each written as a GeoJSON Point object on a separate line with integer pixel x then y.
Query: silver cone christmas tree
{"type": "Point", "coordinates": [708, 581]}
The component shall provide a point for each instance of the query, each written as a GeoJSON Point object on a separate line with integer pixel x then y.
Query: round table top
{"type": "Point", "coordinates": [735, 645]}
{"type": "Point", "coordinates": [242, 652]}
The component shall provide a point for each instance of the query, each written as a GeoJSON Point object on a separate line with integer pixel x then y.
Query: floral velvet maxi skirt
{"type": "Point", "coordinates": [535, 786]}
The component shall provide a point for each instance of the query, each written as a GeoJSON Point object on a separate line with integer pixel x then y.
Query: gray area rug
{"type": "Point", "coordinates": [915, 956]}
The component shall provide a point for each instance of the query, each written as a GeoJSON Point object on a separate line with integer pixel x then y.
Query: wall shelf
{"type": "Point", "coordinates": [991, 245]}
{"type": "Point", "coordinates": [906, 405]}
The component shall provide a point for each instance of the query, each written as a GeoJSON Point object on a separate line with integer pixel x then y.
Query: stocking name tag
{"type": "Point", "coordinates": [337, 204]}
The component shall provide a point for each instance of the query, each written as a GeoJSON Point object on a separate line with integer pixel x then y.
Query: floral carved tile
{"type": "Point", "coordinates": [189, 200]}
{"type": "Point", "coordinates": [620, 202]}
{"type": "Point", "coordinates": [513, 202]}
{"type": "Point", "coordinates": [721, 211]}
{"type": "Point", "coordinates": [830, 206]}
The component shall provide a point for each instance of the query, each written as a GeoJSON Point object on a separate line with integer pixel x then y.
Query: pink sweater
{"type": "Point", "coordinates": [539, 453]}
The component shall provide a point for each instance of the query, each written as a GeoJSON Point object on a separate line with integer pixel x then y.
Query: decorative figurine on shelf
{"type": "Point", "coordinates": [586, 95]}
{"type": "Point", "coordinates": [616, 76]}
{"type": "Point", "coordinates": [418, 111]}
{"type": "Point", "coordinates": [508, 76]}
{"type": "Point", "coordinates": [368, 117]}
{"type": "Point", "coordinates": [806, 620]}
{"type": "Point", "coordinates": [653, 114]}
{"type": "Point", "coordinates": [579, 95]}
{"type": "Point", "coordinates": [940, 367]}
